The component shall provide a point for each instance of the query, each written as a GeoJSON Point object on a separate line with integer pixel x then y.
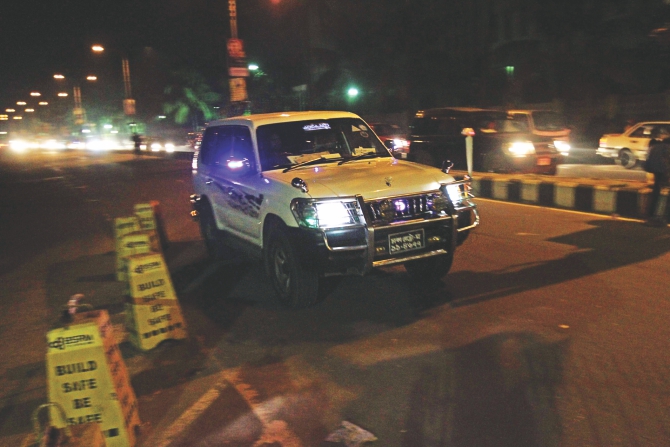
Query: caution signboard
{"type": "Point", "coordinates": [86, 375]}
{"type": "Point", "coordinates": [123, 226]}
{"type": "Point", "coordinates": [135, 243]}
{"type": "Point", "coordinates": [147, 219]}
{"type": "Point", "coordinates": [153, 313]}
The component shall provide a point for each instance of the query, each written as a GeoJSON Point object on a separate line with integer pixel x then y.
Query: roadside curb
{"type": "Point", "coordinates": [609, 197]}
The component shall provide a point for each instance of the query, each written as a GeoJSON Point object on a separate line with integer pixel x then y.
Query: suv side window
{"type": "Point", "coordinates": [216, 143]}
{"type": "Point", "coordinates": [220, 143]}
{"type": "Point", "coordinates": [242, 147]}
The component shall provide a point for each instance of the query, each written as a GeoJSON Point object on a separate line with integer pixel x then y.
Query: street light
{"type": "Point", "coordinates": [128, 102]}
{"type": "Point", "coordinates": [78, 111]}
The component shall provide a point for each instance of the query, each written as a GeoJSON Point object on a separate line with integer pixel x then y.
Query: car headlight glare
{"type": "Point", "coordinates": [521, 148]}
{"type": "Point", "coordinates": [18, 146]}
{"type": "Point", "coordinates": [400, 143]}
{"type": "Point", "coordinates": [155, 147]}
{"type": "Point", "coordinates": [562, 146]}
{"type": "Point", "coordinates": [327, 213]}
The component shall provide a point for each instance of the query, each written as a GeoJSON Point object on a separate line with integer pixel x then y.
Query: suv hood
{"type": "Point", "coordinates": [372, 179]}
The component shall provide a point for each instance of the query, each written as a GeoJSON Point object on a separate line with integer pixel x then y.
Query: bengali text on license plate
{"type": "Point", "coordinates": [410, 240]}
{"type": "Point", "coordinates": [544, 161]}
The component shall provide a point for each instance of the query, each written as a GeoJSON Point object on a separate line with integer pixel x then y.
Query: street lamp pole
{"type": "Point", "coordinates": [128, 102]}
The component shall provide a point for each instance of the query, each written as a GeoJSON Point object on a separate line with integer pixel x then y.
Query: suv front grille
{"type": "Point", "coordinates": [400, 209]}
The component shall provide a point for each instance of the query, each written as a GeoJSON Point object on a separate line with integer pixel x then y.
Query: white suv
{"type": "Point", "coordinates": [317, 194]}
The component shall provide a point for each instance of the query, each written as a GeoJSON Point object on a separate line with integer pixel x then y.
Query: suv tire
{"type": "Point", "coordinates": [295, 286]}
{"type": "Point", "coordinates": [430, 269]}
{"type": "Point", "coordinates": [211, 234]}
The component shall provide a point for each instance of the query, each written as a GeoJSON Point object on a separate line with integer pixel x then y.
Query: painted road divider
{"type": "Point", "coordinates": [123, 226]}
{"type": "Point", "coordinates": [87, 376]}
{"type": "Point", "coordinates": [611, 197]}
{"type": "Point", "coordinates": [153, 313]}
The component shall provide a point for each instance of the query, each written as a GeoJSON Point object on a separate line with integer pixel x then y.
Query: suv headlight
{"type": "Point", "coordinates": [562, 146]}
{"type": "Point", "coordinates": [458, 192]}
{"type": "Point", "coordinates": [327, 213]}
{"type": "Point", "coordinates": [520, 148]}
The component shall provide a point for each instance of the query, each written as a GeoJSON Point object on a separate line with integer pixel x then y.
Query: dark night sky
{"type": "Point", "coordinates": [40, 38]}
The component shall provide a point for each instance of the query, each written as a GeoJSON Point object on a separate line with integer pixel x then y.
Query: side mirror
{"type": "Point", "coordinates": [446, 166]}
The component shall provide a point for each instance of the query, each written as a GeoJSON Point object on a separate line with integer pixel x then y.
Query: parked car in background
{"type": "Point", "coordinates": [393, 137]}
{"type": "Point", "coordinates": [630, 147]}
{"type": "Point", "coordinates": [545, 125]}
{"type": "Point", "coordinates": [500, 142]}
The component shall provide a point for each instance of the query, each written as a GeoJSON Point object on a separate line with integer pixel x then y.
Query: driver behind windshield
{"type": "Point", "coordinates": [285, 144]}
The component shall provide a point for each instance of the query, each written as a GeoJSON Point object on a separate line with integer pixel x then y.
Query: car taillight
{"type": "Point", "coordinates": [602, 141]}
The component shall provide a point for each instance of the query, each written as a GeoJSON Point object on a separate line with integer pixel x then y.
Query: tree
{"type": "Point", "coordinates": [190, 98]}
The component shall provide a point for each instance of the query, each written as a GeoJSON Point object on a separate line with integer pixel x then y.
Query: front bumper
{"type": "Point", "coordinates": [358, 250]}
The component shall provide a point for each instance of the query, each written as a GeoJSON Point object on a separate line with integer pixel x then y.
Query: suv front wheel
{"type": "Point", "coordinates": [295, 286]}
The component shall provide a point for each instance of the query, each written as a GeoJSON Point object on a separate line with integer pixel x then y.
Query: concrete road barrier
{"type": "Point", "coordinates": [602, 196]}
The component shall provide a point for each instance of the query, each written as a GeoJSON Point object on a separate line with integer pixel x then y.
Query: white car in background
{"type": "Point", "coordinates": [631, 146]}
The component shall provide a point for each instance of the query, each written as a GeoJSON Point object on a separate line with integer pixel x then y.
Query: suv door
{"type": "Point", "coordinates": [215, 148]}
{"type": "Point", "coordinates": [245, 189]}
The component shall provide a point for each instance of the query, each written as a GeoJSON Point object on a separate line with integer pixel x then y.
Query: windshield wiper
{"type": "Point", "coordinates": [358, 157]}
{"type": "Point", "coordinates": [310, 162]}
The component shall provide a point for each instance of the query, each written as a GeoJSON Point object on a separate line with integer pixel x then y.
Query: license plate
{"type": "Point", "coordinates": [544, 161]}
{"type": "Point", "coordinates": [407, 241]}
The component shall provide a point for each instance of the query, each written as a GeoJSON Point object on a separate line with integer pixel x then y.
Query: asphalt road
{"type": "Point", "coordinates": [550, 330]}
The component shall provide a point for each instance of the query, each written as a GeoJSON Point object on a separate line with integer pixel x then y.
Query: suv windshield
{"type": "Point", "coordinates": [286, 144]}
{"type": "Point", "coordinates": [549, 121]}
